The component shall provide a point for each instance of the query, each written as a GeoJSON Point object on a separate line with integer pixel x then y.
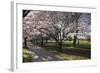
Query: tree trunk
{"type": "Point", "coordinates": [46, 40]}
{"type": "Point", "coordinates": [25, 42]}
{"type": "Point", "coordinates": [60, 46]}
{"type": "Point", "coordinates": [78, 42]}
{"type": "Point", "coordinates": [74, 41]}
{"type": "Point", "coordinates": [42, 41]}
{"type": "Point", "coordinates": [76, 32]}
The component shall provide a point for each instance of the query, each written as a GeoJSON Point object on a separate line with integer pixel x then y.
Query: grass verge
{"type": "Point", "coordinates": [27, 55]}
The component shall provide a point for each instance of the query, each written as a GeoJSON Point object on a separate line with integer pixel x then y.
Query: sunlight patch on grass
{"type": "Point", "coordinates": [27, 55]}
{"type": "Point", "coordinates": [27, 51]}
{"type": "Point", "coordinates": [70, 57]}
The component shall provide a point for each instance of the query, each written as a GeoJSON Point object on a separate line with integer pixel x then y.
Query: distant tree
{"type": "Point", "coordinates": [75, 18]}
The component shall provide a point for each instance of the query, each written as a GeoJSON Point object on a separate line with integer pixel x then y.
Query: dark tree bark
{"type": "Point", "coordinates": [60, 46]}
{"type": "Point", "coordinates": [74, 41]}
{"type": "Point", "coordinates": [78, 41]}
{"type": "Point", "coordinates": [25, 42]}
{"type": "Point", "coordinates": [46, 40]}
{"type": "Point", "coordinates": [76, 17]}
{"type": "Point", "coordinates": [42, 42]}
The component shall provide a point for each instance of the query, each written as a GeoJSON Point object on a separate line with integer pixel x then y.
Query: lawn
{"type": "Point", "coordinates": [80, 52]}
{"type": "Point", "coordinates": [27, 55]}
{"type": "Point", "coordinates": [82, 43]}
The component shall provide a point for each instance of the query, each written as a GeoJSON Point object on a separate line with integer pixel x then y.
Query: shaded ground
{"type": "Point", "coordinates": [79, 52]}
{"type": "Point", "coordinates": [50, 52]}
{"type": "Point", "coordinates": [71, 53]}
{"type": "Point", "coordinates": [40, 54]}
{"type": "Point", "coordinates": [83, 49]}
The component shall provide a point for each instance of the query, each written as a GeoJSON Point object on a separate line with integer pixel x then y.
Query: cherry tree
{"type": "Point", "coordinates": [52, 24]}
{"type": "Point", "coordinates": [43, 25]}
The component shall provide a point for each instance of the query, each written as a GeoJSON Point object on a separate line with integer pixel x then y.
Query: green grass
{"type": "Point", "coordinates": [68, 43]}
{"type": "Point", "coordinates": [69, 50]}
{"type": "Point", "coordinates": [70, 57]}
{"type": "Point", "coordinates": [80, 52]}
{"type": "Point", "coordinates": [65, 56]}
{"type": "Point", "coordinates": [84, 44]}
{"type": "Point", "coordinates": [27, 55]}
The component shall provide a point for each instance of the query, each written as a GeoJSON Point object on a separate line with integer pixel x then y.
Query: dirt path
{"type": "Point", "coordinates": [40, 54]}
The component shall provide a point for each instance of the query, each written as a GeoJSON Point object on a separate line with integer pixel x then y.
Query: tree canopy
{"type": "Point", "coordinates": [54, 24]}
